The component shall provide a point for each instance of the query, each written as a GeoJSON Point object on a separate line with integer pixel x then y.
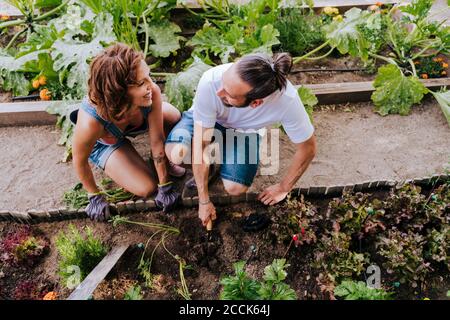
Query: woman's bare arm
{"type": "Point", "coordinates": [87, 131]}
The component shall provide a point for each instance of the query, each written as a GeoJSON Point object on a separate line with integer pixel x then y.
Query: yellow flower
{"type": "Point", "coordinates": [4, 17]}
{"type": "Point", "coordinates": [338, 18]}
{"type": "Point", "coordinates": [330, 11]}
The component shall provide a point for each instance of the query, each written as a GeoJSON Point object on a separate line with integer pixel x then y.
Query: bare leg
{"type": "Point", "coordinates": [127, 168]}
{"type": "Point", "coordinates": [171, 116]}
{"type": "Point", "coordinates": [234, 188]}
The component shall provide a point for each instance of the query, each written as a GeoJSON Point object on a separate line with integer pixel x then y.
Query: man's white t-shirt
{"type": "Point", "coordinates": [283, 107]}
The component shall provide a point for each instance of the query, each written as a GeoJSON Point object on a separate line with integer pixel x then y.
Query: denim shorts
{"type": "Point", "coordinates": [239, 158]}
{"type": "Point", "coordinates": [101, 152]}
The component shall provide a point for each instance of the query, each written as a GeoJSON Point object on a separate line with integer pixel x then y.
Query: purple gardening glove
{"type": "Point", "coordinates": [167, 197]}
{"type": "Point", "coordinates": [98, 208]}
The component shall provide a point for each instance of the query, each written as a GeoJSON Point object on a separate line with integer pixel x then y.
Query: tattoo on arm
{"type": "Point", "coordinates": [159, 158]}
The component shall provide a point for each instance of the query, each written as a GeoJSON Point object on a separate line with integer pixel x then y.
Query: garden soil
{"type": "Point", "coordinates": [354, 145]}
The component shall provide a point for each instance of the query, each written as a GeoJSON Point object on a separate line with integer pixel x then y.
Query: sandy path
{"type": "Point", "coordinates": [353, 146]}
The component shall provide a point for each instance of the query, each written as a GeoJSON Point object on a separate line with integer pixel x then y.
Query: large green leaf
{"type": "Point", "coordinates": [394, 92]}
{"type": "Point", "coordinates": [163, 33]}
{"type": "Point", "coordinates": [74, 55]}
{"type": "Point", "coordinates": [345, 36]}
{"type": "Point", "coordinates": [267, 38]}
{"type": "Point", "coordinates": [10, 63]}
{"type": "Point", "coordinates": [42, 38]}
{"type": "Point", "coordinates": [211, 40]}
{"type": "Point", "coordinates": [443, 98]}
{"type": "Point", "coordinates": [15, 82]}
{"type": "Point", "coordinates": [180, 89]}
{"type": "Point", "coordinates": [308, 99]}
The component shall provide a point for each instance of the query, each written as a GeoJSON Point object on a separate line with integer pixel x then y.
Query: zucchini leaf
{"type": "Point", "coordinates": [394, 92]}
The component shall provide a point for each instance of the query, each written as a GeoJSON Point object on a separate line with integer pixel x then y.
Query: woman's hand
{"type": "Point", "coordinates": [167, 197]}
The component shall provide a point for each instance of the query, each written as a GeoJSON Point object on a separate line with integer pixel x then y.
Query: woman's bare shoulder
{"type": "Point", "coordinates": [90, 126]}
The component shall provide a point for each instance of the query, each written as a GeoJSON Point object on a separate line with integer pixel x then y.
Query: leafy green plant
{"type": "Point", "coordinates": [144, 267]}
{"type": "Point", "coordinates": [79, 249]}
{"type": "Point", "coordinates": [242, 287]}
{"type": "Point", "coordinates": [31, 17]}
{"type": "Point", "coordinates": [352, 290]}
{"type": "Point", "coordinates": [443, 98]}
{"type": "Point", "coordinates": [404, 256]}
{"type": "Point", "coordinates": [438, 245]}
{"type": "Point", "coordinates": [395, 92]}
{"type": "Point", "coordinates": [355, 214]}
{"type": "Point", "coordinates": [309, 100]}
{"type": "Point", "coordinates": [77, 197]}
{"type": "Point", "coordinates": [299, 33]}
{"type": "Point", "coordinates": [246, 28]}
{"type": "Point", "coordinates": [404, 207]}
{"type": "Point", "coordinates": [364, 34]}
{"type": "Point", "coordinates": [22, 246]}
{"type": "Point", "coordinates": [180, 88]}
{"type": "Point", "coordinates": [295, 217]}
{"type": "Point", "coordinates": [134, 293]}
{"type": "Point", "coordinates": [333, 256]}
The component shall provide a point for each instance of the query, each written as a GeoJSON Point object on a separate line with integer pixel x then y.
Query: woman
{"type": "Point", "coordinates": [123, 101]}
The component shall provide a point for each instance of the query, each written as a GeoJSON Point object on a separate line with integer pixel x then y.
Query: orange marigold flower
{"type": "Point", "coordinates": [444, 73]}
{"type": "Point", "coordinates": [50, 296]}
{"type": "Point", "coordinates": [45, 95]}
{"type": "Point", "coordinates": [424, 76]}
{"type": "Point", "coordinates": [445, 65]}
{"type": "Point", "coordinates": [379, 4]}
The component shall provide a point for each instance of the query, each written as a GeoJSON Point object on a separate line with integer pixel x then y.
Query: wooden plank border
{"type": "Point", "coordinates": [90, 283]}
{"type": "Point", "coordinates": [34, 114]}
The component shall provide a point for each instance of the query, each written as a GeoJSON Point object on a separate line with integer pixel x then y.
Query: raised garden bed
{"type": "Point", "coordinates": [211, 261]}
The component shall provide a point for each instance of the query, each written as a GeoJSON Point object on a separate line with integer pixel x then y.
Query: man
{"type": "Point", "coordinates": [236, 100]}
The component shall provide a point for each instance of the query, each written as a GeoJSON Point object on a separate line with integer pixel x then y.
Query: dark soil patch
{"type": "Point", "coordinates": [208, 261]}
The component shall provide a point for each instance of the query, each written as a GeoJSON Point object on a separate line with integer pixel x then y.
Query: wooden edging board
{"type": "Point", "coordinates": [33, 113]}
{"type": "Point", "coordinates": [87, 287]}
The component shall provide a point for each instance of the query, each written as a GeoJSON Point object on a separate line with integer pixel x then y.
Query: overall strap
{"type": "Point", "coordinates": [109, 126]}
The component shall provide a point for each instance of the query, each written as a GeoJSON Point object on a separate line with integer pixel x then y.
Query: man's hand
{"type": "Point", "coordinates": [206, 212]}
{"type": "Point", "coordinates": [272, 195]}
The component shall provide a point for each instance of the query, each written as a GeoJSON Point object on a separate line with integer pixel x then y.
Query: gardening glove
{"type": "Point", "coordinates": [167, 197]}
{"type": "Point", "coordinates": [98, 208]}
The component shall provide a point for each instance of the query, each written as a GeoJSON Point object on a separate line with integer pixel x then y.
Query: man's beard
{"type": "Point", "coordinates": [227, 105]}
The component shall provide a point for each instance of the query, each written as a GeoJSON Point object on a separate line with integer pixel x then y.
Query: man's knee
{"type": "Point", "coordinates": [234, 188]}
{"type": "Point", "coordinates": [176, 152]}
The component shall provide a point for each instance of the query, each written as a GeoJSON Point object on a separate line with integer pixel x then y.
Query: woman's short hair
{"type": "Point", "coordinates": [111, 72]}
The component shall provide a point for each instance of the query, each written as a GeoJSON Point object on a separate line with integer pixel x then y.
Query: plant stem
{"type": "Point", "coordinates": [146, 35]}
{"type": "Point", "coordinates": [51, 12]}
{"type": "Point", "coordinates": [162, 74]}
{"type": "Point", "coordinates": [11, 23]}
{"type": "Point", "coordinates": [413, 67]}
{"type": "Point", "coordinates": [298, 59]}
{"type": "Point", "coordinates": [322, 56]}
{"type": "Point", "coordinates": [388, 60]}
{"type": "Point", "coordinates": [422, 51]}
{"type": "Point", "coordinates": [14, 38]}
